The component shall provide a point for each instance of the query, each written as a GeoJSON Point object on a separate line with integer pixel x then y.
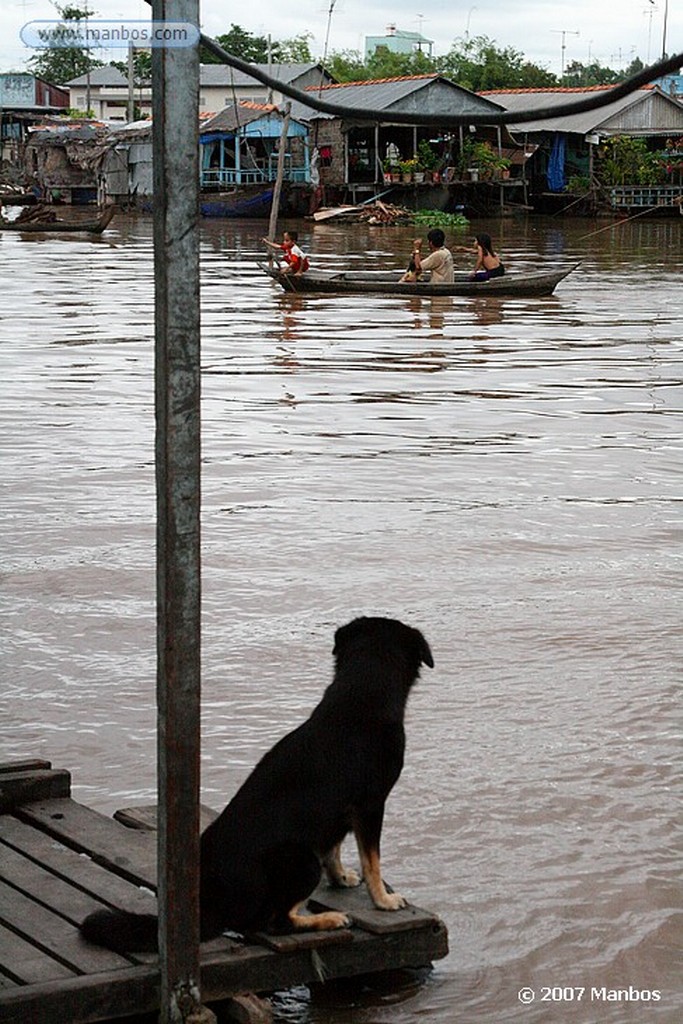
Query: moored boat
{"type": "Point", "coordinates": [94, 227]}
{"type": "Point", "coordinates": [522, 282]}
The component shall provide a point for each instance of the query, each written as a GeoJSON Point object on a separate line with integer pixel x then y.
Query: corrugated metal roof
{"type": "Point", "coordinates": [209, 74]}
{"type": "Point", "coordinates": [221, 74]}
{"type": "Point", "coordinates": [238, 115]}
{"type": "Point", "coordinates": [425, 94]}
{"type": "Point", "coordinates": [645, 111]}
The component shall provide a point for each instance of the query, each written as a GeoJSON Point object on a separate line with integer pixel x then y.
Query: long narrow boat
{"type": "Point", "coordinates": [93, 227]}
{"type": "Point", "coordinates": [529, 282]}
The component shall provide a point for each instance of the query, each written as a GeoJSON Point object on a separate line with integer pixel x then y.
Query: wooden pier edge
{"type": "Point", "coordinates": [61, 859]}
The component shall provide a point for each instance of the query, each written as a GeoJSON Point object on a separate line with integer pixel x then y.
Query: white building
{"type": "Point", "coordinates": [219, 87]}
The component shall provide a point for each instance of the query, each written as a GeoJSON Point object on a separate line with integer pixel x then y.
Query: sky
{"type": "Point", "coordinates": [547, 33]}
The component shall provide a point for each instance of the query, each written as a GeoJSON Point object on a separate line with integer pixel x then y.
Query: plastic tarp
{"type": "Point", "coordinates": [555, 173]}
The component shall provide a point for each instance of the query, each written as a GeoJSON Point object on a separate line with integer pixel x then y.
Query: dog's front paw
{"type": "Point", "coordinates": [391, 901]}
{"type": "Point", "coordinates": [348, 879]}
{"type": "Point", "coordinates": [332, 919]}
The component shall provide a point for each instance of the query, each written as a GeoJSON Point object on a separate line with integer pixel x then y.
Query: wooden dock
{"type": "Point", "coordinates": [59, 860]}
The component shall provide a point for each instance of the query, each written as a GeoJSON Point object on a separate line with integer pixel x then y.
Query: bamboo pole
{"type": "Point", "coordinates": [277, 190]}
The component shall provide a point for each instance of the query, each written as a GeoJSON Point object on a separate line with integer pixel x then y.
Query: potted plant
{"type": "Point", "coordinates": [408, 169]}
{"type": "Point", "coordinates": [428, 159]}
{"type": "Point", "coordinates": [391, 172]}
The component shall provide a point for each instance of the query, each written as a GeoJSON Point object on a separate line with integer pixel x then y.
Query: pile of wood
{"type": "Point", "coordinates": [384, 213]}
{"type": "Point", "coordinates": [36, 214]}
{"type": "Point", "coordinates": [372, 213]}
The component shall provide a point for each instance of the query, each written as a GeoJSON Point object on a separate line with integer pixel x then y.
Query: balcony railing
{"type": "Point", "coordinates": [640, 196]}
{"type": "Point", "coordinates": [215, 177]}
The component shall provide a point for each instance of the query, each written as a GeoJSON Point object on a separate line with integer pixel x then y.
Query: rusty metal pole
{"type": "Point", "coordinates": [177, 385]}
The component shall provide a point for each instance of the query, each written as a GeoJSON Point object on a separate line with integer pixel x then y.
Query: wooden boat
{"type": "Point", "coordinates": [243, 202]}
{"type": "Point", "coordinates": [529, 282]}
{"type": "Point", "coordinates": [93, 227]}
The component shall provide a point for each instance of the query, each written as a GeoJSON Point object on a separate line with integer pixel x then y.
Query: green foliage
{"type": "Point", "coordinates": [426, 155]}
{"type": "Point", "coordinates": [346, 66]}
{"type": "Point", "coordinates": [583, 75]}
{"type": "Point", "coordinates": [482, 156]}
{"type": "Point", "coordinates": [628, 161]}
{"type": "Point", "coordinates": [478, 64]}
{"type": "Point", "coordinates": [441, 219]}
{"type": "Point", "coordinates": [242, 44]}
{"type": "Point", "coordinates": [142, 67]}
{"type": "Point", "coordinates": [296, 50]}
{"type": "Point", "coordinates": [579, 184]}
{"type": "Point", "coordinates": [255, 49]}
{"type": "Point", "coordinates": [59, 64]}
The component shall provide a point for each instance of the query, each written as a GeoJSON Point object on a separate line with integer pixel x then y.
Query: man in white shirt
{"type": "Point", "coordinates": [439, 261]}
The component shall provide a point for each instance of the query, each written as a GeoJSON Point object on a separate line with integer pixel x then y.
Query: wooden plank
{"type": "Point", "coordinates": [29, 765]}
{"type": "Point", "coordinates": [74, 868]}
{"type": "Point", "coordinates": [90, 998]}
{"type": "Point", "coordinates": [25, 964]}
{"type": "Point", "coordinates": [26, 786]}
{"type": "Point", "coordinates": [128, 852]}
{"type": "Point", "coordinates": [259, 970]}
{"type": "Point", "coordinates": [54, 934]}
{"type": "Point", "coordinates": [145, 816]}
{"type": "Point", "coordinates": [357, 903]}
{"type": "Point", "coordinates": [40, 885]}
{"type": "Point", "coordinates": [255, 969]}
{"type": "Point", "coordinates": [303, 940]}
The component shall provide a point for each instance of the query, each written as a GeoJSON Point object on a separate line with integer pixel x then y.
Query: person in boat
{"type": "Point", "coordinates": [439, 262]}
{"type": "Point", "coordinates": [488, 263]}
{"type": "Point", "coordinates": [296, 261]}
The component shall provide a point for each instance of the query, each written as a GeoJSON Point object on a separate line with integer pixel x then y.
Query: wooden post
{"type": "Point", "coordinates": [272, 223]}
{"type": "Point", "coordinates": [177, 386]}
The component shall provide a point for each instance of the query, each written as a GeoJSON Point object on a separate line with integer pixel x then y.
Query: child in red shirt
{"type": "Point", "coordinates": [294, 257]}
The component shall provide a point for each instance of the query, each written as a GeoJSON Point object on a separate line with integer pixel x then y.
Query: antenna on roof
{"type": "Point", "coordinates": [564, 32]}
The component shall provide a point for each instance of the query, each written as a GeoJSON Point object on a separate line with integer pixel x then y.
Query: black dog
{"type": "Point", "coordinates": [263, 856]}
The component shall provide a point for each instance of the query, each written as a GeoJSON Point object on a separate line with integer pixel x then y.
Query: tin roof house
{"type": "Point", "coordinates": [564, 146]}
{"type": "Point", "coordinates": [355, 153]}
{"type": "Point", "coordinates": [240, 146]}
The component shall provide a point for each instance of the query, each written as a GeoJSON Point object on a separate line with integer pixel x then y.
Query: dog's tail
{"type": "Point", "coordinates": [122, 932]}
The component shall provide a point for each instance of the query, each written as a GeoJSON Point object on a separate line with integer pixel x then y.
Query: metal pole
{"type": "Point", "coordinates": [175, 92]}
{"type": "Point", "coordinates": [131, 83]}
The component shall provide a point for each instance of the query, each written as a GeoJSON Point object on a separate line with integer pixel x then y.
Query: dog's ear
{"type": "Point", "coordinates": [344, 633]}
{"type": "Point", "coordinates": [424, 650]}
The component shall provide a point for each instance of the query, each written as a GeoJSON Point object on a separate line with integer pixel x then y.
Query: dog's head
{"type": "Point", "coordinates": [386, 634]}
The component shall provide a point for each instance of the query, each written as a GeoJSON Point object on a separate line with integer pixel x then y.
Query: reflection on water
{"type": "Point", "coordinates": [503, 474]}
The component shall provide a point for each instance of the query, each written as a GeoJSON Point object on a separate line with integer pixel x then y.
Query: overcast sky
{"type": "Point", "coordinates": [592, 28]}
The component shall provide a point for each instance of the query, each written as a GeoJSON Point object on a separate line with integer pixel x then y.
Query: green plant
{"type": "Point", "coordinates": [426, 155]}
{"type": "Point", "coordinates": [482, 156]}
{"type": "Point", "coordinates": [579, 184]}
{"type": "Point", "coordinates": [628, 161]}
{"type": "Point", "coordinates": [441, 219]}
{"type": "Point", "coordinates": [409, 166]}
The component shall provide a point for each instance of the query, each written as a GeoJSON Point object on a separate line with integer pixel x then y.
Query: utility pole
{"type": "Point", "coordinates": [564, 32]}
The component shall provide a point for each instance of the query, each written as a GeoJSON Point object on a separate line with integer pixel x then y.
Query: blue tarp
{"type": "Point", "coordinates": [555, 174]}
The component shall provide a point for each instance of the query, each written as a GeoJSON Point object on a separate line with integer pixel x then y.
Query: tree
{"type": "Point", "coordinates": [478, 64]}
{"type": "Point", "coordinates": [346, 66]}
{"type": "Point", "coordinates": [384, 63]}
{"type": "Point", "coordinates": [142, 66]}
{"type": "Point", "coordinates": [59, 64]}
{"type": "Point", "coordinates": [578, 74]}
{"type": "Point", "coordinates": [242, 44]}
{"type": "Point", "coordinates": [296, 50]}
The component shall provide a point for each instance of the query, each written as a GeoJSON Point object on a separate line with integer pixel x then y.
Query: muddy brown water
{"type": "Point", "coordinates": [504, 474]}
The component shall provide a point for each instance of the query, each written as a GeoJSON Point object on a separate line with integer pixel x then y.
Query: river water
{"type": "Point", "coordinates": [503, 474]}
